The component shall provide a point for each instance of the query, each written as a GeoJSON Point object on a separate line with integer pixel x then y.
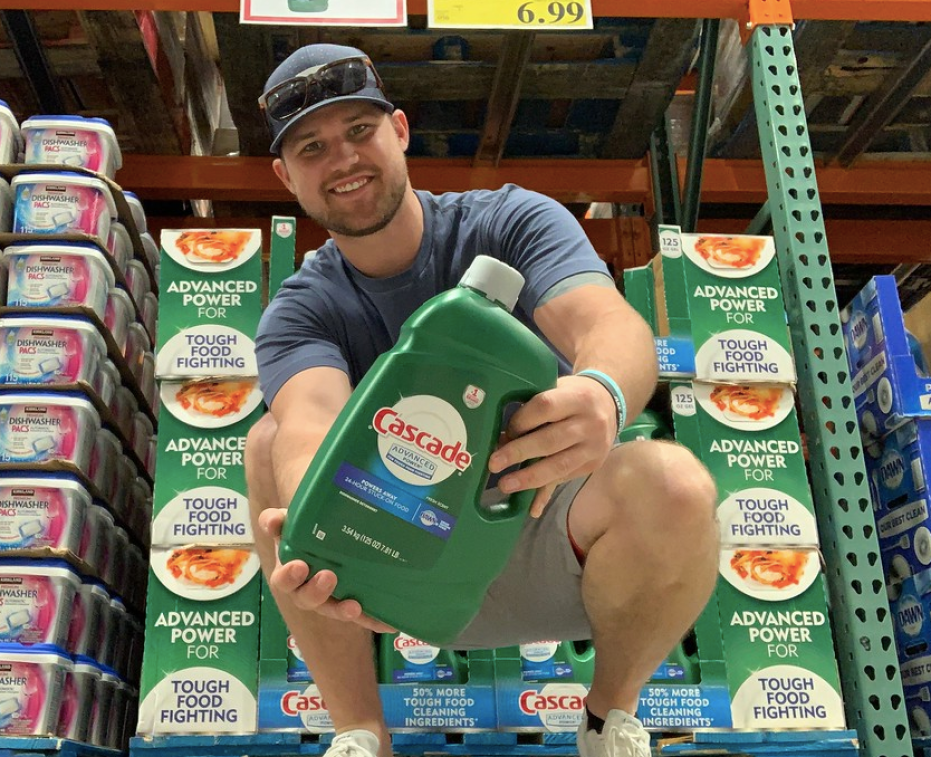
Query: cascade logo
{"type": "Point", "coordinates": [859, 329]}
{"type": "Point", "coordinates": [403, 641]}
{"type": "Point", "coordinates": [422, 439]}
{"type": "Point", "coordinates": [557, 705]}
{"type": "Point", "coordinates": [415, 651]}
{"type": "Point", "coordinates": [294, 703]}
{"type": "Point", "coordinates": [910, 615]}
{"type": "Point", "coordinates": [892, 470]}
{"type": "Point", "coordinates": [309, 707]}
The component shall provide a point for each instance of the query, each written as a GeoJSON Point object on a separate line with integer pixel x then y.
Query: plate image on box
{"type": "Point", "coordinates": [211, 402]}
{"type": "Point", "coordinates": [204, 573]}
{"type": "Point", "coordinates": [211, 250]}
{"type": "Point", "coordinates": [749, 407]}
{"type": "Point", "coordinates": [729, 256]}
{"type": "Point", "coordinates": [773, 575]}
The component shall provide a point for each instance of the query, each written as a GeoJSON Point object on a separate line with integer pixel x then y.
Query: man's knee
{"type": "Point", "coordinates": [674, 479]}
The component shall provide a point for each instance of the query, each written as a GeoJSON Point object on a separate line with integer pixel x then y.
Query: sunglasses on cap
{"type": "Point", "coordinates": [336, 79]}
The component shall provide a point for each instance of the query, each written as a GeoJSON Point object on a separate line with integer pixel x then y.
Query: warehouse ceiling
{"type": "Point", "coordinates": [176, 83]}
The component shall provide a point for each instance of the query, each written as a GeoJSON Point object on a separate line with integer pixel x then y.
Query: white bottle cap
{"type": "Point", "coordinates": [494, 279]}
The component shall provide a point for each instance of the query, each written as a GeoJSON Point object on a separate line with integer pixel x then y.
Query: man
{"type": "Point", "coordinates": [622, 544]}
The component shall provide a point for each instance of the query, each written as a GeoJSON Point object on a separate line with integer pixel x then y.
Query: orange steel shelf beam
{"type": "Point", "coordinates": [825, 10]}
{"type": "Point", "coordinates": [160, 177]}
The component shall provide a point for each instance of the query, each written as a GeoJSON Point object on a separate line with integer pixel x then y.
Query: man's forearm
{"type": "Point", "coordinates": [292, 452]}
{"type": "Point", "coordinates": [623, 348]}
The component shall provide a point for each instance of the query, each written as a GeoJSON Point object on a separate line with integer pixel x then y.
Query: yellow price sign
{"type": "Point", "coordinates": [549, 15]}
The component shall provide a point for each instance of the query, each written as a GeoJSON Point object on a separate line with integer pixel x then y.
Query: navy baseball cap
{"type": "Point", "coordinates": [313, 77]}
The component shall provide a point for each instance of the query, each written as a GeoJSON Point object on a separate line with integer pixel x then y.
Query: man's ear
{"type": "Point", "coordinates": [401, 128]}
{"type": "Point", "coordinates": [281, 171]}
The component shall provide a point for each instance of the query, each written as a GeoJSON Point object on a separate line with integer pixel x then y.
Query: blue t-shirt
{"type": "Point", "coordinates": [330, 314]}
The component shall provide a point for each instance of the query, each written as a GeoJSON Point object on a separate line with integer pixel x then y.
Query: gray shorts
{"type": "Point", "coordinates": [539, 594]}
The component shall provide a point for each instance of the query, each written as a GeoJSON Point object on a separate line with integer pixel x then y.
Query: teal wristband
{"type": "Point", "coordinates": [614, 390]}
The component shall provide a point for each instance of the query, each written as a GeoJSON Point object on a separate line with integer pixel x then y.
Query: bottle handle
{"type": "Point", "coordinates": [518, 503]}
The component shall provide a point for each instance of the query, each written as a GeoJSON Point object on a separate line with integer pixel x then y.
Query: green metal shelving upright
{"type": "Point", "coordinates": [871, 682]}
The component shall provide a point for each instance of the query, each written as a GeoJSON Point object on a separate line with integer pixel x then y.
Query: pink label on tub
{"type": "Point", "coordinates": [33, 517]}
{"type": "Point", "coordinates": [47, 208]}
{"type": "Point", "coordinates": [50, 280]}
{"type": "Point", "coordinates": [32, 355]}
{"type": "Point", "coordinates": [33, 433]}
{"type": "Point", "coordinates": [81, 148]}
{"type": "Point", "coordinates": [29, 692]}
{"type": "Point", "coordinates": [29, 607]}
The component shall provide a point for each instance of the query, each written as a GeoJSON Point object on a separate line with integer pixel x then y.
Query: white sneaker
{"type": "Point", "coordinates": [358, 743]}
{"type": "Point", "coordinates": [622, 736]}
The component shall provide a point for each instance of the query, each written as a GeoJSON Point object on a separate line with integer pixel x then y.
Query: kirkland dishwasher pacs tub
{"type": "Point", "coordinates": [11, 140]}
{"type": "Point", "coordinates": [32, 684]}
{"type": "Point", "coordinates": [49, 350]}
{"type": "Point", "coordinates": [42, 511]}
{"type": "Point", "coordinates": [35, 601]}
{"type": "Point", "coordinates": [57, 203]}
{"type": "Point", "coordinates": [39, 427]}
{"type": "Point", "coordinates": [72, 141]}
{"type": "Point", "coordinates": [58, 275]}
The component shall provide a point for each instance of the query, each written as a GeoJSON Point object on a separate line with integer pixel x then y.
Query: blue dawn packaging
{"type": "Point", "coordinates": [910, 602]}
{"type": "Point", "coordinates": [889, 384]}
{"type": "Point", "coordinates": [898, 467]}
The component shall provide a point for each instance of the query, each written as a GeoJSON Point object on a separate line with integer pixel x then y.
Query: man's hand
{"type": "Point", "coordinates": [316, 593]}
{"type": "Point", "coordinates": [571, 428]}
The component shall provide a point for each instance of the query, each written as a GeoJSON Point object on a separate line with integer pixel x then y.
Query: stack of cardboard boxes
{"type": "Point", "coordinates": [724, 347]}
{"type": "Point", "coordinates": [892, 396]}
{"type": "Point", "coordinates": [202, 623]}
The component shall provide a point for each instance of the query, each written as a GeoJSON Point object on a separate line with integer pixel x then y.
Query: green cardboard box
{"type": "Point", "coordinates": [200, 662]}
{"type": "Point", "coordinates": [281, 258]}
{"type": "Point", "coordinates": [639, 292]}
{"type": "Point", "coordinates": [778, 644]}
{"type": "Point", "coordinates": [200, 490]}
{"type": "Point", "coordinates": [748, 437]}
{"type": "Point", "coordinates": [189, 457]}
{"type": "Point", "coordinates": [724, 291]}
{"type": "Point", "coordinates": [210, 303]}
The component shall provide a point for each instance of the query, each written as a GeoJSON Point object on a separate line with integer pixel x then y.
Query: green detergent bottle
{"type": "Point", "coordinates": [404, 659]}
{"type": "Point", "coordinates": [391, 501]}
{"type": "Point", "coordinates": [557, 661]}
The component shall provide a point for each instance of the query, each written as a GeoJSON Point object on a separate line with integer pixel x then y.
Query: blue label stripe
{"type": "Point", "coordinates": [397, 502]}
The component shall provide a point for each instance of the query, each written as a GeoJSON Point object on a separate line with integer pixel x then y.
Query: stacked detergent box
{"type": "Point", "coordinates": [766, 633]}
{"type": "Point", "coordinates": [76, 434]}
{"type": "Point", "coordinates": [892, 395]}
{"type": "Point", "coordinates": [542, 686]}
{"type": "Point", "coordinates": [202, 621]}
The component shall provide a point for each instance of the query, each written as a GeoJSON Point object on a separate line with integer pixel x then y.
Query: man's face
{"type": "Point", "coordinates": [345, 164]}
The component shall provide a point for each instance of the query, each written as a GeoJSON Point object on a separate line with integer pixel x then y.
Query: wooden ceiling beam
{"type": "Point", "coordinates": [246, 60]}
{"type": "Point", "coordinates": [880, 110]}
{"type": "Point", "coordinates": [893, 182]}
{"type": "Point", "coordinates": [505, 94]}
{"type": "Point", "coordinates": [21, 31]}
{"type": "Point", "coordinates": [827, 10]}
{"type": "Point", "coordinates": [817, 45]}
{"type": "Point", "coordinates": [127, 68]}
{"type": "Point", "coordinates": [665, 58]}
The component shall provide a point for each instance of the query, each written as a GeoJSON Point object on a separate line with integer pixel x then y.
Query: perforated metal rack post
{"type": "Point", "coordinates": [872, 686]}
